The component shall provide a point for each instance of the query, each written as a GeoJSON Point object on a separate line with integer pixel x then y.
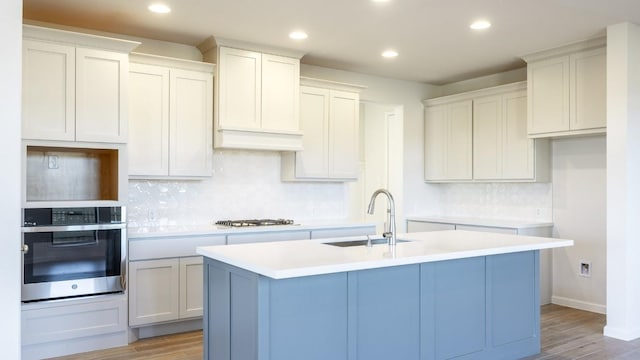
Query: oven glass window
{"type": "Point", "coordinates": [71, 255]}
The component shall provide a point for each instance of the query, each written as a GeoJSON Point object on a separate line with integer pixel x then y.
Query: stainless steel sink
{"type": "Point", "coordinates": [377, 241]}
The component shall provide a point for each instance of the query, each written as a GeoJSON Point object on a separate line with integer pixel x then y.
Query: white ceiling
{"type": "Point", "coordinates": [432, 36]}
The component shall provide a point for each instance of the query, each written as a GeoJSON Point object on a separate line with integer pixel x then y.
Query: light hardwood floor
{"type": "Point", "coordinates": [565, 334]}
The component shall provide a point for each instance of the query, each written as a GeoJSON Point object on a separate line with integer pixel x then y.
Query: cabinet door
{"type": "Point", "coordinates": [588, 102]}
{"type": "Point", "coordinates": [153, 291]}
{"type": "Point", "coordinates": [239, 90]}
{"type": "Point", "coordinates": [343, 135]}
{"type": "Point", "coordinates": [459, 143]}
{"type": "Point", "coordinates": [548, 92]}
{"type": "Point", "coordinates": [190, 134]}
{"type": "Point", "coordinates": [191, 285]}
{"type": "Point", "coordinates": [487, 138]}
{"type": "Point", "coordinates": [435, 146]}
{"type": "Point", "coordinates": [48, 91]}
{"type": "Point", "coordinates": [101, 96]}
{"type": "Point", "coordinates": [148, 120]}
{"type": "Point", "coordinates": [518, 157]}
{"type": "Point", "coordinates": [313, 161]}
{"type": "Point", "coordinates": [280, 93]}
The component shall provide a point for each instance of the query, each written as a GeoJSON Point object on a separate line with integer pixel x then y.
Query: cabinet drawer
{"type": "Point", "coordinates": [419, 226]}
{"type": "Point", "coordinates": [265, 237]}
{"type": "Point", "coordinates": [170, 247]}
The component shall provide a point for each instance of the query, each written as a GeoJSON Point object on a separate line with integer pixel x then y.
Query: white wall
{"type": "Point", "coordinates": [579, 213]}
{"type": "Point", "coordinates": [11, 40]}
{"type": "Point", "coordinates": [623, 181]}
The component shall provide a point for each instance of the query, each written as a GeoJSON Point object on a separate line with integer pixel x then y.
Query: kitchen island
{"type": "Point", "coordinates": [438, 295]}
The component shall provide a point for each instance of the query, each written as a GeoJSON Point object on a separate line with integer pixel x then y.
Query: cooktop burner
{"type": "Point", "coordinates": [254, 222]}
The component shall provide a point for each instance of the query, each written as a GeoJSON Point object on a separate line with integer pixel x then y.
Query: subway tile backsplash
{"type": "Point", "coordinates": [245, 184]}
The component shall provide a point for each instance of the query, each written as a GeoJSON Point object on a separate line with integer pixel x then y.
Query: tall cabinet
{"type": "Point", "coordinates": [329, 119]}
{"type": "Point", "coordinates": [171, 117]}
{"type": "Point", "coordinates": [74, 86]}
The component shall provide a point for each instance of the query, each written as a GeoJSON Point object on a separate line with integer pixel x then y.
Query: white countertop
{"type": "Point", "coordinates": [287, 259]}
{"type": "Point", "coordinates": [511, 224]}
{"type": "Point", "coordinates": [210, 229]}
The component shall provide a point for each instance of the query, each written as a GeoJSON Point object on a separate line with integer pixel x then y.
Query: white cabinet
{"type": "Point", "coordinates": [329, 119]}
{"type": "Point", "coordinates": [448, 144]}
{"type": "Point", "coordinates": [154, 291]}
{"type": "Point", "coordinates": [482, 136]}
{"type": "Point", "coordinates": [170, 117]}
{"type": "Point", "coordinates": [256, 97]}
{"type": "Point", "coordinates": [191, 287]}
{"type": "Point", "coordinates": [567, 90]}
{"type": "Point", "coordinates": [165, 290]}
{"type": "Point", "coordinates": [501, 148]}
{"type": "Point", "coordinates": [74, 86]}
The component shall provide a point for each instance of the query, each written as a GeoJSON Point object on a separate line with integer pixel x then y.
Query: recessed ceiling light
{"type": "Point", "coordinates": [380, 1]}
{"type": "Point", "coordinates": [480, 25]}
{"type": "Point", "coordinates": [298, 35]}
{"type": "Point", "coordinates": [159, 8]}
{"type": "Point", "coordinates": [390, 54]}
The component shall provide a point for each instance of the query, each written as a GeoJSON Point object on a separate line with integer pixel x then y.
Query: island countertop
{"type": "Point", "coordinates": [289, 259]}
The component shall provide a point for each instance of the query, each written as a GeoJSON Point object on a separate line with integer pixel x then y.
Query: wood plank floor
{"type": "Point", "coordinates": [565, 334]}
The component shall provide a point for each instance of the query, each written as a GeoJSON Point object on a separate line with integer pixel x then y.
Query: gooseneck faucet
{"type": "Point", "coordinates": [390, 231]}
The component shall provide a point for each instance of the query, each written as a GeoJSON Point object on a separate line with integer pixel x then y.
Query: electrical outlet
{"type": "Point", "coordinates": [53, 161]}
{"type": "Point", "coordinates": [153, 215]}
{"type": "Point", "coordinates": [538, 212]}
{"type": "Point", "coordinates": [585, 268]}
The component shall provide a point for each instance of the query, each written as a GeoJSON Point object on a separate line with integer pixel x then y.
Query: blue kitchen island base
{"type": "Point", "coordinates": [484, 307]}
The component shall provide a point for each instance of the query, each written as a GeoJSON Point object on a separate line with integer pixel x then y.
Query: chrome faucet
{"type": "Point", "coordinates": [390, 231]}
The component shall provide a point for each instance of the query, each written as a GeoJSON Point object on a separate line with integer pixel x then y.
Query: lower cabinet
{"type": "Point", "coordinates": [164, 290]}
{"type": "Point", "coordinates": [481, 308]}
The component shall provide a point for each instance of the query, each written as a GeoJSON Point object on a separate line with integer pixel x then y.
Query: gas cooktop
{"type": "Point", "coordinates": [254, 222]}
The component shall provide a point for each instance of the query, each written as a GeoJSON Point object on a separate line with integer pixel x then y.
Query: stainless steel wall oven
{"type": "Point", "coordinates": [70, 252]}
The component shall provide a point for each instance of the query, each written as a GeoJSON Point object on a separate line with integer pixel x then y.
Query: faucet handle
{"type": "Point", "coordinates": [387, 234]}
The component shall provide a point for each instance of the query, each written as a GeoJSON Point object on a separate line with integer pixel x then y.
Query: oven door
{"type": "Point", "coordinates": [75, 261]}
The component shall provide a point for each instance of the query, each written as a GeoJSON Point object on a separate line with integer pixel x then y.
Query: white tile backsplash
{"type": "Point", "coordinates": [508, 201]}
{"type": "Point", "coordinates": [245, 184]}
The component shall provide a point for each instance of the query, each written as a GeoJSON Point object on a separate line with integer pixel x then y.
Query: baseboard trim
{"type": "Point", "coordinates": [579, 304]}
{"type": "Point", "coordinates": [621, 333]}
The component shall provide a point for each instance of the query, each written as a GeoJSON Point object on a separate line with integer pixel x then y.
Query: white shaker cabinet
{"type": "Point", "coordinates": [448, 141]}
{"type": "Point", "coordinates": [567, 90]}
{"type": "Point", "coordinates": [170, 116]}
{"type": "Point", "coordinates": [329, 119]}
{"type": "Point", "coordinates": [256, 96]}
{"type": "Point", "coordinates": [191, 286]}
{"type": "Point", "coordinates": [154, 287]}
{"type": "Point", "coordinates": [74, 86]}
{"type": "Point", "coordinates": [164, 290]}
{"type": "Point", "coordinates": [482, 136]}
{"type": "Point", "coordinates": [501, 148]}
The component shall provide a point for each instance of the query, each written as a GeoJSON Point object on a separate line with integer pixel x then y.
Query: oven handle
{"type": "Point", "coordinates": [38, 229]}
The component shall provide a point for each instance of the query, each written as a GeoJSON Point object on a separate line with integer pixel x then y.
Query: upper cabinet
{"type": "Point", "coordinates": [447, 138]}
{"type": "Point", "coordinates": [482, 136]}
{"type": "Point", "coordinates": [74, 86]}
{"type": "Point", "coordinates": [170, 117]}
{"type": "Point", "coordinates": [256, 96]}
{"type": "Point", "coordinates": [567, 90]}
{"type": "Point", "coordinates": [329, 119]}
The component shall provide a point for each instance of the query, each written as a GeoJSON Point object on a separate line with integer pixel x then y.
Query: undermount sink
{"type": "Point", "coordinates": [364, 242]}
